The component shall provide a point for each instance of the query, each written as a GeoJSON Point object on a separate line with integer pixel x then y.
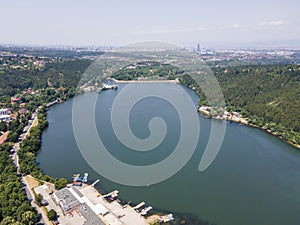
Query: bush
{"type": "Point", "coordinates": [52, 214]}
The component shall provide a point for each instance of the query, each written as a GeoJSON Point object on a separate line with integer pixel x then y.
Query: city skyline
{"type": "Point", "coordinates": [113, 23]}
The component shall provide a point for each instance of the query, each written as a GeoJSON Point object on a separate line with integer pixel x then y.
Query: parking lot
{"type": "Point", "coordinates": [70, 219]}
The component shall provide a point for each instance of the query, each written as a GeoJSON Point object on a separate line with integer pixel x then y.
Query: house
{"type": "Point", "coordinates": [23, 111]}
{"type": "Point", "coordinates": [14, 100]}
{"type": "Point", "coordinates": [236, 114]}
{"type": "Point", "coordinates": [5, 114]}
{"type": "Point", "coordinates": [3, 137]}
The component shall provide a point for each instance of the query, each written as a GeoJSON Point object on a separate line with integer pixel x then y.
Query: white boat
{"type": "Point", "coordinates": [85, 177]}
{"type": "Point", "coordinates": [108, 86]}
{"type": "Point", "coordinates": [166, 218]}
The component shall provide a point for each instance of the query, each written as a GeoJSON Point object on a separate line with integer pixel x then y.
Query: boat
{"type": "Point", "coordinates": [108, 86]}
{"type": "Point", "coordinates": [77, 183]}
{"type": "Point", "coordinates": [85, 177]}
{"type": "Point", "coordinates": [80, 179]}
{"type": "Point", "coordinates": [166, 218]}
{"type": "Point", "coordinates": [76, 177]}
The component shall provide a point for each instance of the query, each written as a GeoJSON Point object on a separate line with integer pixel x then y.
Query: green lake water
{"type": "Point", "coordinates": [255, 179]}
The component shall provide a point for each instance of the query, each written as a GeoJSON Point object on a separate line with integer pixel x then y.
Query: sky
{"type": "Point", "coordinates": [117, 22]}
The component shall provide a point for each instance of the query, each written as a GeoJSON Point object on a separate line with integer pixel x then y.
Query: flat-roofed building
{"type": "Point", "coordinates": [70, 199]}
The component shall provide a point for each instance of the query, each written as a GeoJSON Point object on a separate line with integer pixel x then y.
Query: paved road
{"type": "Point", "coordinates": [15, 158]}
{"type": "Point", "coordinates": [43, 220]}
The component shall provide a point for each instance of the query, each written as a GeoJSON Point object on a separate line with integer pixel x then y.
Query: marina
{"type": "Point", "coordinates": [86, 205]}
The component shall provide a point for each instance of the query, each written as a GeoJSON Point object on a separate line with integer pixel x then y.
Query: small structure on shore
{"type": "Point", "coordinates": [109, 86]}
{"type": "Point", "coordinates": [166, 218]}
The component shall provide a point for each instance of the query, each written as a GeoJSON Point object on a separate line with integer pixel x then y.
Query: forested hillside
{"type": "Point", "coordinates": [60, 73]}
{"type": "Point", "coordinates": [271, 92]}
{"type": "Point", "coordinates": [268, 95]}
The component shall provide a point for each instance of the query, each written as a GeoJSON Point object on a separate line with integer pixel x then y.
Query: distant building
{"type": "Point", "coordinates": [5, 114]}
{"type": "Point", "coordinates": [29, 91]}
{"type": "Point", "coordinates": [198, 48]}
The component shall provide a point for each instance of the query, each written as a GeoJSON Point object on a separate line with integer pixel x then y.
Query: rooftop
{"type": "Point", "coordinates": [70, 198]}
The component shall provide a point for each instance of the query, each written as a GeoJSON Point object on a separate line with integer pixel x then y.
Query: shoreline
{"type": "Point", "coordinates": [151, 219]}
{"type": "Point", "coordinates": [239, 120]}
{"type": "Point", "coordinates": [244, 121]}
{"type": "Point", "coordinates": [207, 116]}
{"type": "Point", "coordinates": [176, 81]}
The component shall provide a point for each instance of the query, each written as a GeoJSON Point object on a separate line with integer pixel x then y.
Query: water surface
{"type": "Point", "coordinates": [255, 179]}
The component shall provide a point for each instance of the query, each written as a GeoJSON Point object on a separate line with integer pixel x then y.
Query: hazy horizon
{"type": "Point", "coordinates": [100, 23]}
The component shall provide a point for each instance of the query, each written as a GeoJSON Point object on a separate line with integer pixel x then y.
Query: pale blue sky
{"type": "Point", "coordinates": [112, 22]}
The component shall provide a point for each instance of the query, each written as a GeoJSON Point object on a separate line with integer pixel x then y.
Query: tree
{"type": "Point", "coordinates": [52, 214]}
{"type": "Point", "coordinates": [29, 218]}
{"type": "Point", "coordinates": [3, 126]}
{"type": "Point", "coordinates": [60, 183]}
{"type": "Point", "coordinates": [12, 137]}
{"type": "Point", "coordinates": [8, 220]}
{"type": "Point", "coordinates": [38, 199]}
{"type": "Point", "coordinates": [6, 147]}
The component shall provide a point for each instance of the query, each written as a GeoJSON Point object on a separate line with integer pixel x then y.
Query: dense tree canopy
{"type": "Point", "coordinates": [60, 73]}
{"type": "Point", "coordinates": [14, 207]}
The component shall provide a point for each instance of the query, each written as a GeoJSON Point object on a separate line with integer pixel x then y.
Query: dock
{"type": "Point", "coordinates": [146, 210]}
{"type": "Point", "coordinates": [139, 205]}
{"type": "Point", "coordinates": [93, 184]}
{"type": "Point", "coordinates": [112, 194]}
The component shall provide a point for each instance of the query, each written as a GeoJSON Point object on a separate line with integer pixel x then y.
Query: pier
{"type": "Point", "coordinates": [139, 205]}
{"type": "Point", "coordinates": [93, 184]}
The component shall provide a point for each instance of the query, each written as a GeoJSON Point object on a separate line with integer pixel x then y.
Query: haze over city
{"type": "Point", "coordinates": [212, 23]}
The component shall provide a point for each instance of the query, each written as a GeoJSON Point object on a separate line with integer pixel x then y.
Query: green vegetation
{"type": "Point", "coordinates": [38, 199]}
{"type": "Point", "coordinates": [146, 70]}
{"type": "Point", "coordinates": [52, 214]}
{"type": "Point", "coordinates": [29, 148]}
{"type": "Point", "coordinates": [14, 207]}
{"type": "Point", "coordinates": [3, 126]}
{"type": "Point", "coordinates": [45, 52]}
{"type": "Point", "coordinates": [60, 73]}
{"type": "Point", "coordinates": [56, 81]}
{"type": "Point", "coordinates": [268, 95]}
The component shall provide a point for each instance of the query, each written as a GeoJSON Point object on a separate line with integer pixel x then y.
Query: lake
{"type": "Point", "coordinates": [255, 179]}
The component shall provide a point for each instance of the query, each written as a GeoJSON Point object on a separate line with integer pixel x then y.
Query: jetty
{"type": "Point", "coordinates": [146, 210]}
{"type": "Point", "coordinates": [139, 205]}
{"type": "Point", "coordinates": [112, 194]}
{"type": "Point", "coordinates": [93, 184]}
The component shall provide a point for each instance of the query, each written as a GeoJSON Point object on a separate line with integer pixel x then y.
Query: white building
{"type": "Point", "coordinates": [5, 114]}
